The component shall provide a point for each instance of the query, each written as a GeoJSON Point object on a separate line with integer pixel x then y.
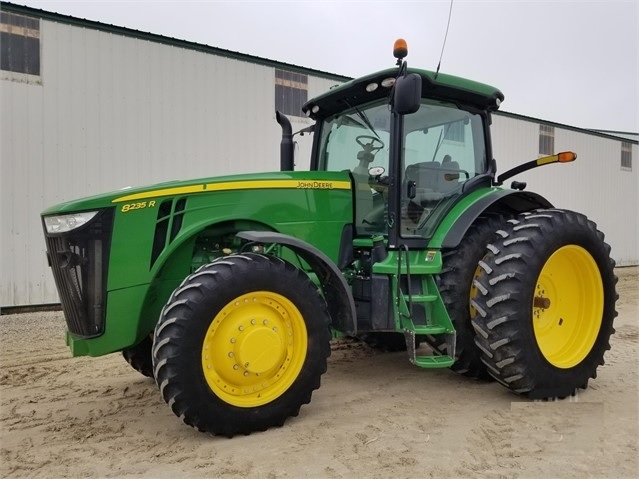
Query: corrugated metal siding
{"type": "Point", "coordinates": [594, 184]}
{"type": "Point", "coordinates": [23, 185]}
{"type": "Point", "coordinates": [115, 111]}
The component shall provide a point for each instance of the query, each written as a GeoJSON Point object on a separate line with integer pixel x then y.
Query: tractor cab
{"type": "Point", "coordinates": [413, 141]}
{"type": "Point", "coordinates": [443, 147]}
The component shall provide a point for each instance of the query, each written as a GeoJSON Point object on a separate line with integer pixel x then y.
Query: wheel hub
{"type": "Point", "coordinates": [254, 348]}
{"type": "Point", "coordinates": [541, 302]}
{"type": "Point", "coordinates": [258, 349]}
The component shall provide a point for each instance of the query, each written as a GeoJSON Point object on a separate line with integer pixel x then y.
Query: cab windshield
{"type": "Point", "coordinates": [443, 146]}
{"type": "Point", "coordinates": [357, 140]}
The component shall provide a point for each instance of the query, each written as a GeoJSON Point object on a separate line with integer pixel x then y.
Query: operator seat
{"type": "Point", "coordinates": [448, 177]}
{"type": "Point", "coordinates": [425, 175]}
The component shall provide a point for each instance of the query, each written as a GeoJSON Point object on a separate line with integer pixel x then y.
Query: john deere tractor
{"type": "Point", "coordinates": [228, 290]}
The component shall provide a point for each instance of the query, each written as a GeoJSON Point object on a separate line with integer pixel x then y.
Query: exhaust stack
{"type": "Point", "coordinates": [287, 146]}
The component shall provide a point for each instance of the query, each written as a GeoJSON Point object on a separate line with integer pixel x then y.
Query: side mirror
{"type": "Point", "coordinates": [407, 94]}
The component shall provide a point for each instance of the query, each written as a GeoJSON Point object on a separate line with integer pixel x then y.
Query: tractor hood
{"type": "Point", "coordinates": [274, 180]}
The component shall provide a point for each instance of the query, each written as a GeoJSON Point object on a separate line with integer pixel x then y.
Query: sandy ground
{"type": "Point", "coordinates": [375, 416]}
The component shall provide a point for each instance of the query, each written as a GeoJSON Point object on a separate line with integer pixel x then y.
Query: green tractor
{"type": "Point", "coordinates": [228, 290]}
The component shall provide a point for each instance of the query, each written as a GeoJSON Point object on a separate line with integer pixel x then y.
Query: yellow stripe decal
{"type": "Point", "coordinates": [547, 159]}
{"type": "Point", "coordinates": [239, 185]}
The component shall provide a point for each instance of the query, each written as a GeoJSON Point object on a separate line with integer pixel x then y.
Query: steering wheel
{"type": "Point", "coordinates": [371, 147]}
{"type": "Point", "coordinates": [367, 155]}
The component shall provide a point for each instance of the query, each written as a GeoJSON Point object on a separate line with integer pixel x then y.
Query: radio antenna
{"type": "Point", "coordinates": [450, 11]}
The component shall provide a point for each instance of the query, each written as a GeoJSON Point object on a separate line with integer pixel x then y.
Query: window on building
{"type": "Point", "coordinates": [291, 92]}
{"type": "Point", "coordinates": [546, 140]}
{"type": "Point", "coordinates": [626, 155]}
{"type": "Point", "coordinates": [19, 43]}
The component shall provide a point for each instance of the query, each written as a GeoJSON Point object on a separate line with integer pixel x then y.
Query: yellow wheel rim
{"type": "Point", "coordinates": [254, 349]}
{"type": "Point", "coordinates": [568, 306]}
{"type": "Point", "coordinates": [474, 292]}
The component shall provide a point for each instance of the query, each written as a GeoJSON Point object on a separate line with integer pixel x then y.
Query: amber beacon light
{"type": "Point", "coordinates": [400, 48]}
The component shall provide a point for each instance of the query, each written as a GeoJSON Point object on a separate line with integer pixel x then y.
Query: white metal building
{"type": "Point", "coordinates": [602, 183]}
{"type": "Point", "coordinates": [88, 107]}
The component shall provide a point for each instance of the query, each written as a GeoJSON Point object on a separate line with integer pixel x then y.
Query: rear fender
{"type": "Point", "coordinates": [337, 292]}
{"type": "Point", "coordinates": [501, 200]}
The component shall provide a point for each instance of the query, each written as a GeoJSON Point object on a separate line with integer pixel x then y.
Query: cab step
{"type": "Point", "coordinates": [429, 330]}
{"type": "Point", "coordinates": [433, 361]}
{"type": "Point", "coordinates": [430, 361]}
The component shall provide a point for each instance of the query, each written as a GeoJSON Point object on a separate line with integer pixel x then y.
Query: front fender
{"type": "Point", "coordinates": [174, 264]}
{"type": "Point", "coordinates": [337, 292]}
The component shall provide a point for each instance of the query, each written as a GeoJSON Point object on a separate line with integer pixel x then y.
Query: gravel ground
{"type": "Point", "coordinates": [375, 416]}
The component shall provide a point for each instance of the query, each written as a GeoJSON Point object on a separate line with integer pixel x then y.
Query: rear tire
{"type": "Point", "coordinates": [139, 357]}
{"type": "Point", "coordinates": [456, 289]}
{"type": "Point", "coordinates": [545, 303]}
{"type": "Point", "coordinates": [241, 345]}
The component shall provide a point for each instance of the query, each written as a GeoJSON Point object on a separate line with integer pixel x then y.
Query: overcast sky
{"type": "Point", "coordinates": [573, 62]}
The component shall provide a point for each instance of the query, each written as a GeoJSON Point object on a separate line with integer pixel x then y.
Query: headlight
{"type": "Point", "coordinates": [64, 223]}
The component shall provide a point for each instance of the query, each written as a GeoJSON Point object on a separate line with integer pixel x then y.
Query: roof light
{"type": "Point", "coordinates": [315, 108]}
{"type": "Point", "coordinates": [388, 82]}
{"type": "Point", "coordinates": [371, 87]}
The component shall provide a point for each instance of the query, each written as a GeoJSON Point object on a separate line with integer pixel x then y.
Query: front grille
{"type": "Point", "coordinates": [79, 260]}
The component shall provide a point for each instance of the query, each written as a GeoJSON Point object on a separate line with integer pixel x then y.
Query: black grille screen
{"type": "Point", "coordinates": [78, 260]}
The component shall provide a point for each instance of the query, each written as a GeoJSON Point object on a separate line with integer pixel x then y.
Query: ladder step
{"type": "Point", "coordinates": [421, 298]}
{"type": "Point", "coordinates": [430, 330]}
{"type": "Point", "coordinates": [434, 361]}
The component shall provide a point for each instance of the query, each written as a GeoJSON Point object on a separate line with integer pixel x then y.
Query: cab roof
{"type": "Point", "coordinates": [436, 86]}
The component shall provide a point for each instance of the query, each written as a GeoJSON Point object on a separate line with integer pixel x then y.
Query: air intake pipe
{"type": "Point", "coordinates": [287, 146]}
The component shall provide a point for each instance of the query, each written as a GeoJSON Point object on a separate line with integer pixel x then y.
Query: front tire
{"type": "Point", "coordinates": [545, 303]}
{"type": "Point", "coordinates": [139, 357]}
{"type": "Point", "coordinates": [241, 345]}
